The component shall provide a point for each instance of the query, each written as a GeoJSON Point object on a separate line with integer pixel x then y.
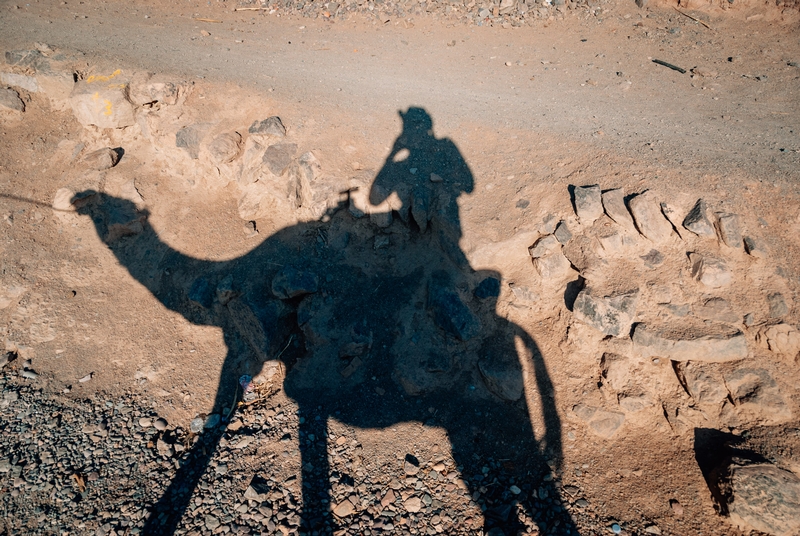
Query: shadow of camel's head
{"type": "Point", "coordinates": [113, 217]}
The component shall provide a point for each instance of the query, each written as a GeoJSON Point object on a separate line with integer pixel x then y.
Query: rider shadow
{"type": "Point", "coordinates": [392, 322]}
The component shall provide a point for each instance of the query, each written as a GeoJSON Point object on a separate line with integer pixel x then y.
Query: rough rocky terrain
{"type": "Point", "coordinates": [399, 268]}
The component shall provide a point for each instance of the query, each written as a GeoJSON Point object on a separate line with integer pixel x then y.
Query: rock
{"type": "Point", "coordinates": [413, 505]}
{"type": "Point", "coordinates": [583, 253]}
{"type": "Point", "coordinates": [189, 138]}
{"type": "Point", "coordinates": [160, 424]}
{"type": "Point", "coordinates": [103, 101]}
{"type": "Point", "coordinates": [507, 6]}
{"type": "Point", "coordinates": [307, 190]}
{"type": "Point", "coordinates": [601, 422]}
{"type": "Point", "coordinates": [164, 448]}
{"type": "Point", "coordinates": [22, 81]}
{"type": "Point", "coordinates": [548, 225]}
{"type": "Point", "coordinates": [611, 315]}
{"type": "Point", "coordinates": [28, 58]}
{"type": "Point", "coordinates": [688, 343]}
{"type": "Point", "coordinates": [633, 403]}
{"type": "Point", "coordinates": [449, 312]}
{"type": "Point", "coordinates": [697, 220]}
{"type": "Point", "coordinates": [101, 159]}
{"type": "Point", "coordinates": [488, 288]}
{"type": "Point", "coordinates": [650, 529]}
{"type": "Point", "coordinates": [653, 259]}
{"type": "Point", "coordinates": [756, 395]}
{"type": "Point", "coordinates": [225, 147]}
{"type": "Point", "coordinates": [588, 203]}
{"type": "Point", "coordinates": [63, 200]}
{"type": "Point", "coordinates": [543, 246]}
{"type": "Point", "coordinates": [614, 205]}
{"type": "Point", "coordinates": [258, 489]}
{"type": "Point", "coordinates": [754, 248]}
{"type": "Point", "coordinates": [291, 282]}
{"type": "Point", "coordinates": [730, 230]}
{"type": "Point", "coordinates": [552, 264]}
{"type": "Point", "coordinates": [672, 215]}
{"type": "Point", "coordinates": [57, 86]}
{"type": "Point", "coordinates": [212, 421]}
{"type": "Point", "coordinates": [410, 465]}
{"type": "Point", "coordinates": [711, 271]}
{"type": "Point", "coordinates": [146, 91]}
{"type": "Point", "coordinates": [523, 293]}
{"type": "Point", "coordinates": [196, 426]}
{"type": "Point", "coordinates": [278, 157]}
{"type": "Point", "coordinates": [562, 233]}
{"type": "Point", "coordinates": [648, 217]}
{"type": "Point", "coordinates": [344, 509]}
{"type": "Point", "coordinates": [777, 305]}
{"type": "Point", "coordinates": [676, 507]}
{"type": "Point", "coordinates": [144, 422]}
{"type": "Point", "coordinates": [211, 522]}
{"type": "Point", "coordinates": [502, 375]}
{"type": "Point", "coordinates": [764, 498]}
{"type": "Point", "coordinates": [271, 126]}
{"type": "Point", "coordinates": [271, 372]}
{"type": "Point", "coordinates": [782, 339]}
{"type": "Point", "coordinates": [225, 291]}
{"type": "Point", "coordinates": [703, 384]}
{"type": "Point", "coordinates": [717, 309]}
{"type": "Point", "coordinates": [9, 100]}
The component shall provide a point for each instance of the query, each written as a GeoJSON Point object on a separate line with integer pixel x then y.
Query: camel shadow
{"type": "Point", "coordinates": [388, 323]}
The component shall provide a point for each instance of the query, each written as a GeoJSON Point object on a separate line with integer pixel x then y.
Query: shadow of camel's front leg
{"type": "Point", "coordinates": [315, 474]}
{"type": "Point", "coordinates": [167, 513]}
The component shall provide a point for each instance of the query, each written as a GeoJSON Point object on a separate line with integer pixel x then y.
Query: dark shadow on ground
{"type": "Point", "coordinates": [395, 310]}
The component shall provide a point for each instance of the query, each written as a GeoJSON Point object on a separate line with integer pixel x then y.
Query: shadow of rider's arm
{"type": "Point", "coordinates": [546, 391]}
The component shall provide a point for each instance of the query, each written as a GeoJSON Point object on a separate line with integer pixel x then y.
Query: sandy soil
{"type": "Point", "coordinates": [568, 102]}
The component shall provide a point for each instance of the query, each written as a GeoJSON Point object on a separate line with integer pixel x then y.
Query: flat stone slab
{"type": "Point", "coordinates": [765, 498]}
{"type": "Point", "coordinates": [648, 217]}
{"type": "Point", "coordinates": [588, 203]}
{"type": "Point", "coordinates": [614, 205]}
{"type": "Point", "coordinates": [689, 343]}
{"type": "Point", "coordinates": [611, 315]}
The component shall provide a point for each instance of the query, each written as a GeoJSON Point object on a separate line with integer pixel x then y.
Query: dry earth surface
{"type": "Point", "coordinates": [160, 240]}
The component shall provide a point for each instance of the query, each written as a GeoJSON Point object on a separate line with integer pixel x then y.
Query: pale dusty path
{"type": "Point", "coordinates": [578, 78]}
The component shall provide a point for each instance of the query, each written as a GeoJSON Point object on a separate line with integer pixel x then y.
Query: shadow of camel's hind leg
{"type": "Point", "coordinates": [316, 518]}
{"type": "Point", "coordinates": [506, 471]}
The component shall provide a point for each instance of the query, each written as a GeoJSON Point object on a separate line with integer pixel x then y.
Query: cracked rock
{"type": "Point", "coordinates": [611, 315]}
{"type": "Point", "coordinates": [697, 220]}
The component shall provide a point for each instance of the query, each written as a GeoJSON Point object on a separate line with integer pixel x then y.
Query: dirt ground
{"type": "Point", "coordinates": [570, 100]}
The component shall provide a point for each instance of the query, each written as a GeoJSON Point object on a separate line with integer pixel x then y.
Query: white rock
{"type": "Point", "coordinates": [782, 339]}
{"type": "Point", "coordinates": [103, 101]}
